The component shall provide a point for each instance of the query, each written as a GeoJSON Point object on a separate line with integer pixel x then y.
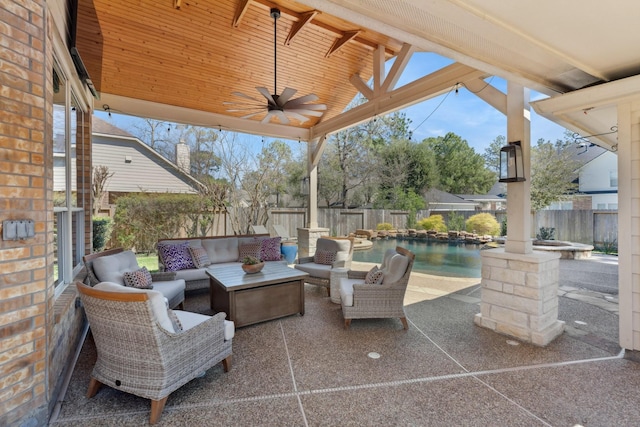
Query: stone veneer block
{"type": "Point", "coordinates": [307, 238]}
{"type": "Point", "coordinates": [520, 295]}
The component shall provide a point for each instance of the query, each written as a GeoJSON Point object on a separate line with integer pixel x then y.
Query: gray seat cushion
{"type": "Point", "coordinates": [316, 270]}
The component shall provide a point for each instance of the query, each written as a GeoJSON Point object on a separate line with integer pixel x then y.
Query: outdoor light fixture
{"type": "Point", "coordinates": [511, 163]}
{"type": "Point", "coordinates": [304, 186]}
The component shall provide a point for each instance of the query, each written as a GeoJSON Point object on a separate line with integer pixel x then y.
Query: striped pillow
{"type": "Point", "coordinates": [200, 257]}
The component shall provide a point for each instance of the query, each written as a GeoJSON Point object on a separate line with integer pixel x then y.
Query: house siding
{"type": "Point", "coordinates": [134, 170]}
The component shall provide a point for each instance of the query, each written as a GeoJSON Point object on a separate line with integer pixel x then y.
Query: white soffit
{"type": "Point", "coordinates": [487, 35]}
{"type": "Point", "coordinates": [592, 111]}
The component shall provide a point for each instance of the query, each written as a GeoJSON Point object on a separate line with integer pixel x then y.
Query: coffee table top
{"type": "Point", "coordinates": [233, 278]}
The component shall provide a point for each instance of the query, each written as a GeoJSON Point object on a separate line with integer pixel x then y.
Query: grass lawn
{"type": "Point", "coordinates": [149, 261]}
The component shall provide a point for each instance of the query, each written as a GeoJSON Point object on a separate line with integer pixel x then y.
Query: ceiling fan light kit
{"type": "Point", "coordinates": [282, 106]}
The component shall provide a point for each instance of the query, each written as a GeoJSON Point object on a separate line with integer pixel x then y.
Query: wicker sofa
{"type": "Point", "coordinates": [221, 250]}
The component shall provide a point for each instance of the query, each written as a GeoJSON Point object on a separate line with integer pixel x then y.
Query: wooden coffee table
{"type": "Point", "coordinates": [275, 292]}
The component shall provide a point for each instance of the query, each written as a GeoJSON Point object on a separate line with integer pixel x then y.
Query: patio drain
{"type": "Point", "coordinates": [374, 355]}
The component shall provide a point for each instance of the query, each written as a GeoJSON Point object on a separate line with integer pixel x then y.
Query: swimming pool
{"type": "Point", "coordinates": [438, 258]}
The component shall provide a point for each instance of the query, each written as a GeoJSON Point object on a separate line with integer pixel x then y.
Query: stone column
{"type": "Point", "coordinates": [307, 238]}
{"type": "Point", "coordinates": [520, 295]}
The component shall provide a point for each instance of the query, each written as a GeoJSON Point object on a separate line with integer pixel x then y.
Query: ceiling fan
{"type": "Point", "coordinates": [281, 106]}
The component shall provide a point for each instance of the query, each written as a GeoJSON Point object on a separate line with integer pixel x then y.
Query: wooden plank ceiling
{"type": "Point", "coordinates": [190, 54]}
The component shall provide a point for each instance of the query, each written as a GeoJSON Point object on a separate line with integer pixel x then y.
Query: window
{"type": "Point", "coordinates": [69, 218]}
{"type": "Point", "coordinates": [613, 179]}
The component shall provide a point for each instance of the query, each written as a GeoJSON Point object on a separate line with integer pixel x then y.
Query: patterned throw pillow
{"type": "Point", "coordinates": [175, 256]}
{"type": "Point", "coordinates": [200, 257]}
{"type": "Point", "coordinates": [374, 276]}
{"type": "Point", "coordinates": [270, 249]}
{"type": "Point", "coordinates": [140, 279]}
{"type": "Point", "coordinates": [249, 249]}
{"type": "Point", "coordinates": [325, 257]}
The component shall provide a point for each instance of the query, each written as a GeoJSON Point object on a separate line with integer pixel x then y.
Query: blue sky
{"type": "Point", "coordinates": [463, 113]}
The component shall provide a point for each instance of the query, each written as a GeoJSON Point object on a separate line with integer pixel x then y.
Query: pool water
{"type": "Point", "coordinates": [438, 258]}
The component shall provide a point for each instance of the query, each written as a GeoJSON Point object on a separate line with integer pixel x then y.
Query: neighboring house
{"type": "Point", "coordinates": [597, 180]}
{"type": "Point", "coordinates": [486, 202]}
{"type": "Point", "coordinates": [135, 166]}
{"type": "Point", "coordinates": [438, 200]}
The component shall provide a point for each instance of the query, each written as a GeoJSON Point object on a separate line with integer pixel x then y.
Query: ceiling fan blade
{"type": "Point", "coordinates": [267, 118]}
{"type": "Point", "coordinates": [242, 95]}
{"type": "Point", "coordinates": [241, 110]}
{"type": "Point", "coordinates": [265, 92]}
{"type": "Point", "coordinates": [248, 116]}
{"type": "Point", "coordinates": [304, 111]}
{"type": "Point", "coordinates": [297, 116]}
{"type": "Point", "coordinates": [306, 106]}
{"type": "Point", "coordinates": [281, 116]}
{"type": "Point", "coordinates": [306, 98]}
{"type": "Point", "coordinates": [285, 96]}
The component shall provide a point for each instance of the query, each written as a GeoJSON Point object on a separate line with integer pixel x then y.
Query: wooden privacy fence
{"type": "Point", "coordinates": [580, 226]}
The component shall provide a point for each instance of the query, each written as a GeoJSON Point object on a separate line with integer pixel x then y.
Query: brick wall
{"type": "Point", "coordinates": [582, 203]}
{"type": "Point", "coordinates": [26, 266]}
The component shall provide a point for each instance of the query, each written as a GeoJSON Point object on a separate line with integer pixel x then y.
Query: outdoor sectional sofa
{"type": "Point", "coordinates": [205, 252]}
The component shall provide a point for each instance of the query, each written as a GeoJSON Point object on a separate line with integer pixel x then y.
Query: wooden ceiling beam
{"type": "Point", "coordinates": [346, 37]}
{"type": "Point", "coordinates": [304, 19]}
{"type": "Point", "coordinates": [378, 70]}
{"type": "Point", "coordinates": [398, 67]}
{"type": "Point", "coordinates": [427, 87]}
{"type": "Point", "coordinates": [240, 11]}
{"type": "Point", "coordinates": [362, 86]}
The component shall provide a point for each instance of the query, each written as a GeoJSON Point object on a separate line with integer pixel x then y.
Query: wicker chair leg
{"type": "Point", "coordinates": [226, 363]}
{"type": "Point", "coordinates": [347, 323]}
{"type": "Point", "coordinates": [404, 323]}
{"type": "Point", "coordinates": [156, 409]}
{"type": "Point", "coordinates": [94, 386]}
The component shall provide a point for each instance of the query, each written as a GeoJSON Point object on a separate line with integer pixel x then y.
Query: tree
{"type": "Point", "coordinates": [352, 154]}
{"type": "Point", "coordinates": [157, 135]}
{"type": "Point", "coordinates": [492, 153]}
{"type": "Point", "coordinates": [461, 169]}
{"type": "Point", "coordinates": [203, 159]}
{"type": "Point", "coordinates": [101, 175]}
{"type": "Point", "coordinates": [553, 170]}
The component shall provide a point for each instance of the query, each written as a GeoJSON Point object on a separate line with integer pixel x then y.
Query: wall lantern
{"type": "Point", "coordinates": [511, 163]}
{"type": "Point", "coordinates": [304, 186]}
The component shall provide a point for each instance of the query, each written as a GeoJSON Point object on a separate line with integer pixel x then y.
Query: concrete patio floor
{"type": "Point", "coordinates": [309, 371]}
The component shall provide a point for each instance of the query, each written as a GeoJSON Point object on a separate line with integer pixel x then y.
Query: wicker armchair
{"type": "Point", "coordinates": [139, 350]}
{"type": "Point", "coordinates": [120, 261]}
{"type": "Point", "coordinates": [320, 274]}
{"type": "Point", "coordinates": [386, 300]}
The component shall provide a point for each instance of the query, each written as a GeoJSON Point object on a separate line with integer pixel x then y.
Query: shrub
{"type": "Point", "coordinates": [102, 227]}
{"type": "Point", "coordinates": [384, 226]}
{"type": "Point", "coordinates": [483, 223]}
{"type": "Point", "coordinates": [456, 221]}
{"type": "Point", "coordinates": [433, 222]}
{"type": "Point", "coordinates": [546, 233]}
{"type": "Point", "coordinates": [503, 227]}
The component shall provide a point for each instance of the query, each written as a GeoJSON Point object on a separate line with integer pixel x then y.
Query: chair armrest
{"type": "Point", "coordinates": [305, 259]}
{"type": "Point", "coordinates": [163, 276]}
{"type": "Point", "coordinates": [354, 274]}
{"type": "Point", "coordinates": [197, 345]}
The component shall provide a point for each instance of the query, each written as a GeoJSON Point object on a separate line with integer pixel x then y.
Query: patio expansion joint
{"type": "Point", "coordinates": [300, 393]}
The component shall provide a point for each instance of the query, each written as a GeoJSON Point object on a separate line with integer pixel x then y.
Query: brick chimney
{"type": "Point", "coordinates": [183, 160]}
